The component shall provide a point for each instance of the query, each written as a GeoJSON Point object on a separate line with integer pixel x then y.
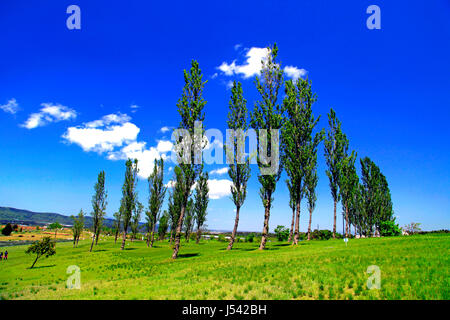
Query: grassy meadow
{"type": "Point", "coordinates": [412, 267]}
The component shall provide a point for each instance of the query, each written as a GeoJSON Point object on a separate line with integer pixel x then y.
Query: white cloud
{"type": "Point", "coordinates": [219, 188]}
{"type": "Point", "coordinates": [250, 68]}
{"type": "Point", "coordinates": [294, 72]}
{"type": "Point", "coordinates": [115, 136]}
{"type": "Point", "coordinates": [49, 113]}
{"type": "Point", "coordinates": [10, 107]}
{"type": "Point", "coordinates": [220, 171]}
{"type": "Point", "coordinates": [216, 143]}
{"type": "Point", "coordinates": [102, 139]}
{"type": "Point", "coordinates": [164, 146]}
{"type": "Point", "coordinates": [252, 65]}
{"type": "Point", "coordinates": [164, 129]}
{"type": "Point", "coordinates": [119, 118]}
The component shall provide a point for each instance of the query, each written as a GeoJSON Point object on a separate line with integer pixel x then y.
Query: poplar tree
{"type": "Point", "coordinates": [174, 211]}
{"type": "Point", "coordinates": [156, 199]}
{"type": "Point", "coordinates": [129, 196]}
{"type": "Point", "coordinates": [189, 219]}
{"type": "Point", "coordinates": [136, 217]}
{"type": "Point", "coordinates": [78, 225]}
{"type": "Point", "coordinates": [348, 184]}
{"type": "Point", "coordinates": [300, 146]}
{"type": "Point", "coordinates": [163, 225]}
{"type": "Point", "coordinates": [292, 205]}
{"type": "Point", "coordinates": [336, 144]}
{"type": "Point", "coordinates": [99, 204]}
{"type": "Point", "coordinates": [117, 222]}
{"type": "Point", "coordinates": [311, 177]}
{"type": "Point", "coordinates": [201, 203]}
{"type": "Point", "coordinates": [190, 107]}
{"type": "Point", "coordinates": [239, 168]}
{"type": "Point", "coordinates": [268, 115]}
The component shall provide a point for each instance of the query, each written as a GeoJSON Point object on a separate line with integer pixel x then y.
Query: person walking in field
{"type": "Point", "coordinates": [1, 255]}
{"type": "Point", "coordinates": [6, 255]}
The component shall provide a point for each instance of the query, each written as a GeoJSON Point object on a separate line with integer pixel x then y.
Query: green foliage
{"type": "Point", "coordinates": [250, 237]}
{"type": "Point", "coordinates": [99, 204]}
{"type": "Point", "coordinates": [136, 217]}
{"type": "Point", "coordinates": [54, 226]}
{"type": "Point", "coordinates": [45, 247]}
{"type": "Point", "coordinates": [129, 195]}
{"type": "Point", "coordinates": [282, 233]}
{"type": "Point", "coordinates": [6, 231]}
{"type": "Point", "coordinates": [336, 145]}
{"type": "Point", "coordinates": [376, 197]}
{"type": "Point", "coordinates": [78, 225]}
{"type": "Point", "coordinates": [201, 201]}
{"type": "Point", "coordinates": [189, 219]}
{"type": "Point", "coordinates": [190, 107]}
{"type": "Point", "coordinates": [268, 115]}
{"type": "Point", "coordinates": [321, 234]}
{"type": "Point", "coordinates": [157, 194]}
{"type": "Point", "coordinates": [389, 228]}
{"type": "Point", "coordinates": [163, 225]}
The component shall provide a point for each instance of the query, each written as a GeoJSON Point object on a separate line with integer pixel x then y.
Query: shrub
{"type": "Point", "coordinates": [221, 238]}
{"type": "Point", "coordinates": [389, 229]}
{"type": "Point", "coordinates": [282, 233]}
{"type": "Point", "coordinates": [7, 230]}
{"type": "Point", "coordinates": [250, 237]}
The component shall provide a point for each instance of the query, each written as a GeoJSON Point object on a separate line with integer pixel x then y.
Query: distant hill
{"type": "Point", "coordinates": [27, 217]}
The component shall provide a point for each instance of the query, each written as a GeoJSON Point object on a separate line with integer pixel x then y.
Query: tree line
{"type": "Point", "coordinates": [366, 201]}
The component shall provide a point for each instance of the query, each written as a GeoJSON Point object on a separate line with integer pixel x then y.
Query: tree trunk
{"type": "Point", "coordinates": [97, 235]}
{"type": "Point", "coordinates": [297, 224]}
{"type": "Point", "coordinates": [199, 232]}
{"type": "Point", "coordinates": [37, 257]}
{"type": "Point", "coordinates": [92, 243]}
{"type": "Point", "coordinates": [153, 235]}
{"type": "Point", "coordinates": [233, 234]}
{"type": "Point", "coordinates": [346, 222]}
{"type": "Point", "coordinates": [334, 225]}
{"type": "Point", "coordinates": [124, 238]}
{"type": "Point", "coordinates": [309, 226]}
{"type": "Point", "coordinates": [266, 223]}
{"type": "Point", "coordinates": [178, 233]}
{"type": "Point", "coordinates": [115, 238]}
{"type": "Point", "coordinates": [292, 225]}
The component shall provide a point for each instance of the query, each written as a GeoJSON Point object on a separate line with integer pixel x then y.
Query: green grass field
{"type": "Point", "coordinates": [415, 267]}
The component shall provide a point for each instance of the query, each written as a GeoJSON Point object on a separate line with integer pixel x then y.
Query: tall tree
{"type": "Point", "coordinates": [239, 168]}
{"type": "Point", "coordinates": [201, 202]}
{"type": "Point", "coordinates": [117, 222]}
{"type": "Point", "coordinates": [190, 107]}
{"type": "Point", "coordinates": [136, 217]}
{"type": "Point", "coordinates": [156, 199]}
{"type": "Point", "coordinates": [99, 204]}
{"type": "Point", "coordinates": [311, 177]}
{"type": "Point", "coordinates": [349, 186]}
{"type": "Point", "coordinates": [268, 115]}
{"type": "Point", "coordinates": [336, 144]}
{"type": "Point", "coordinates": [174, 210]}
{"type": "Point", "coordinates": [292, 205]}
{"type": "Point", "coordinates": [163, 225]}
{"type": "Point", "coordinates": [189, 219]}
{"type": "Point", "coordinates": [300, 146]}
{"type": "Point", "coordinates": [129, 196]}
{"type": "Point", "coordinates": [78, 225]}
{"type": "Point", "coordinates": [377, 203]}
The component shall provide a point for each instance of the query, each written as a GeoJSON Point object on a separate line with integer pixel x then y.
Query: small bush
{"type": "Point", "coordinates": [7, 230]}
{"type": "Point", "coordinates": [250, 238]}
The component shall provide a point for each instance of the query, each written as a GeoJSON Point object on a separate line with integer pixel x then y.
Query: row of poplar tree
{"type": "Point", "coordinates": [366, 202]}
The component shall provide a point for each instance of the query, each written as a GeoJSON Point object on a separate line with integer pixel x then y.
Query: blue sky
{"type": "Point", "coordinates": [74, 102]}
